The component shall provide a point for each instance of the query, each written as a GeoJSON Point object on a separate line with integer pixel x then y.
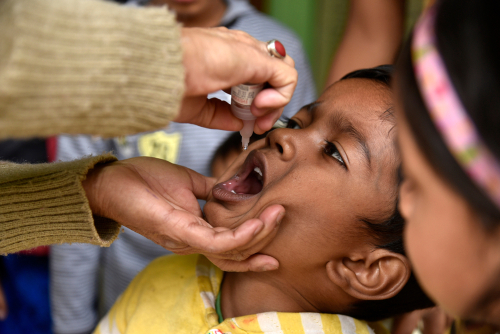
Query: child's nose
{"type": "Point", "coordinates": [283, 140]}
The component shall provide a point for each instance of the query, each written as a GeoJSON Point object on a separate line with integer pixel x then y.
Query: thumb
{"type": "Point", "coordinates": [272, 215]}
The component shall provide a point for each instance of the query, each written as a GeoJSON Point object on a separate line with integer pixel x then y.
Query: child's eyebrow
{"type": "Point", "coordinates": [343, 125]}
{"type": "Point", "coordinates": [347, 127]}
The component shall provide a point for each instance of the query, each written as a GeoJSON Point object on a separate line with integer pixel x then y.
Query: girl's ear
{"type": "Point", "coordinates": [379, 274]}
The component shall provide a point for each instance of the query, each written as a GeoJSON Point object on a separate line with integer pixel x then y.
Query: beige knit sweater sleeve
{"type": "Point", "coordinates": [77, 66]}
{"type": "Point", "coordinates": [44, 204]}
{"type": "Point", "coordinates": [87, 66]}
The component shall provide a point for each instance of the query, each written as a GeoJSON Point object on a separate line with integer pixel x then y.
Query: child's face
{"type": "Point", "coordinates": [336, 164]}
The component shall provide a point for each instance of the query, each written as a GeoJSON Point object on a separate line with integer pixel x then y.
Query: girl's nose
{"type": "Point", "coordinates": [283, 140]}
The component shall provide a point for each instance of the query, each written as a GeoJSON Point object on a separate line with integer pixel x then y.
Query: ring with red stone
{"type": "Point", "coordinates": [276, 49]}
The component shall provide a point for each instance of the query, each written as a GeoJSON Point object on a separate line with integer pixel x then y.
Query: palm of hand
{"type": "Point", "coordinates": [159, 200]}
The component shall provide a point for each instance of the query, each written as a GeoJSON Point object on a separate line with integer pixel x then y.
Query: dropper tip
{"type": "Point", "coordinates": [244, 142]}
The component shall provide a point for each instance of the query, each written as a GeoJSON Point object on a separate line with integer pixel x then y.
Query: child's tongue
{"type": "Point", "coordinates": [249, 185]}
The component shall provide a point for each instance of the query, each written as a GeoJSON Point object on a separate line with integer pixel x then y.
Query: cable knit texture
{"type": "Point", "coordinates": [44, 204]}
{"type": "Point", "coordinates": [87, 66]}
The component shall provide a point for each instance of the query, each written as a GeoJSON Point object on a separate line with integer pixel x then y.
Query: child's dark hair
{"type": "Point", "coordinates": [388, 234]}
{"type": "Point", "coordinates": [466, 35]}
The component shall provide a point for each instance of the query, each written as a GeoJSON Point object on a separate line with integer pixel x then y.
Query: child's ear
{"type": "Point", "coordinates": [379, 274]}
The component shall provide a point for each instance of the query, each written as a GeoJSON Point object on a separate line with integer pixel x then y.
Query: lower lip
{"type": "Point", "coordinates": [221, 193]}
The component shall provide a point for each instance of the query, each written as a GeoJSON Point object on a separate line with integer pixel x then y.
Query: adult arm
{"type": "Point", "coordinates": [86, 66]}
{"type": "Point", "coordinates": [372, 36]}
{"type": "Point", "coordinates": [53, 203]}
{"type": "Point", "coordinates": [46, 204]}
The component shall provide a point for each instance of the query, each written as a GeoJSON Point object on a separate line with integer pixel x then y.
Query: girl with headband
{"type": "Point", "coordinates": [447, 83]}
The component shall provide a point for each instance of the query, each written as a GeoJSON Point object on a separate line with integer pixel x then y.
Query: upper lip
{"type": "Point", "coordinates": [255, 162]}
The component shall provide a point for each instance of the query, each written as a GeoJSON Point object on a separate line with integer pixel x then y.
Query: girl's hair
{"type": "Point", "coordinates": [466, 37]}
{"type": "Point", "coordinates": [387, 233]}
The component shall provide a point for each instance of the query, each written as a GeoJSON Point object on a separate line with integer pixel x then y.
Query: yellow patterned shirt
{"type": "Point", "coordinates": [176, 294]}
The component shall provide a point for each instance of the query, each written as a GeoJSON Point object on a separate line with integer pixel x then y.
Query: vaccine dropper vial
{"type": "Point", "coordinates": [242, 97]}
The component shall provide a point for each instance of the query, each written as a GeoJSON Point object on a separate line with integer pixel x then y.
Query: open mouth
{"type": "Point", "coordinates": [248, 182]}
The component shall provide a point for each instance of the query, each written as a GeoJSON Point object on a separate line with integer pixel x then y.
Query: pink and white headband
{"type": "Point", "coordinates": [447, 112]}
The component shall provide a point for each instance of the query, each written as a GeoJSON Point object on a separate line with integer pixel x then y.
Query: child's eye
{"type": "Point", "coordinates": [332, 150]}
{"type": "Point", "coordinates": [292, 124]}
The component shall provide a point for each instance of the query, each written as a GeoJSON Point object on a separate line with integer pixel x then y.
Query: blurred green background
{"type": "Point", "coordinates": [320, 24]}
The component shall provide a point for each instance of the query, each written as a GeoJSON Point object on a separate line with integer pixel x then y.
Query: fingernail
{"type": "Point", "coordinates": [280, 217]}
{"type": "Point", "coordinates": [268, 267]}
{"type": "Point", "coordinates": [257, 231]}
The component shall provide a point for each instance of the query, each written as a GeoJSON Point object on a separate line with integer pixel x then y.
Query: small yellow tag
{"type": "Point", "coordinates": [161, 145]}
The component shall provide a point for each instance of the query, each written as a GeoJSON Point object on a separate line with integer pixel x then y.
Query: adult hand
{"type": "Point", "coordinates": [432, 320]}
{"type": "Point", "coordinates": [158, 200]}
{"type": "Point", "coordinates": [218, 58]}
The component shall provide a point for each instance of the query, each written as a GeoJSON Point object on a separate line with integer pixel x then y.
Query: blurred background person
{"type": "Point", "coordinates": [85, 279]}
